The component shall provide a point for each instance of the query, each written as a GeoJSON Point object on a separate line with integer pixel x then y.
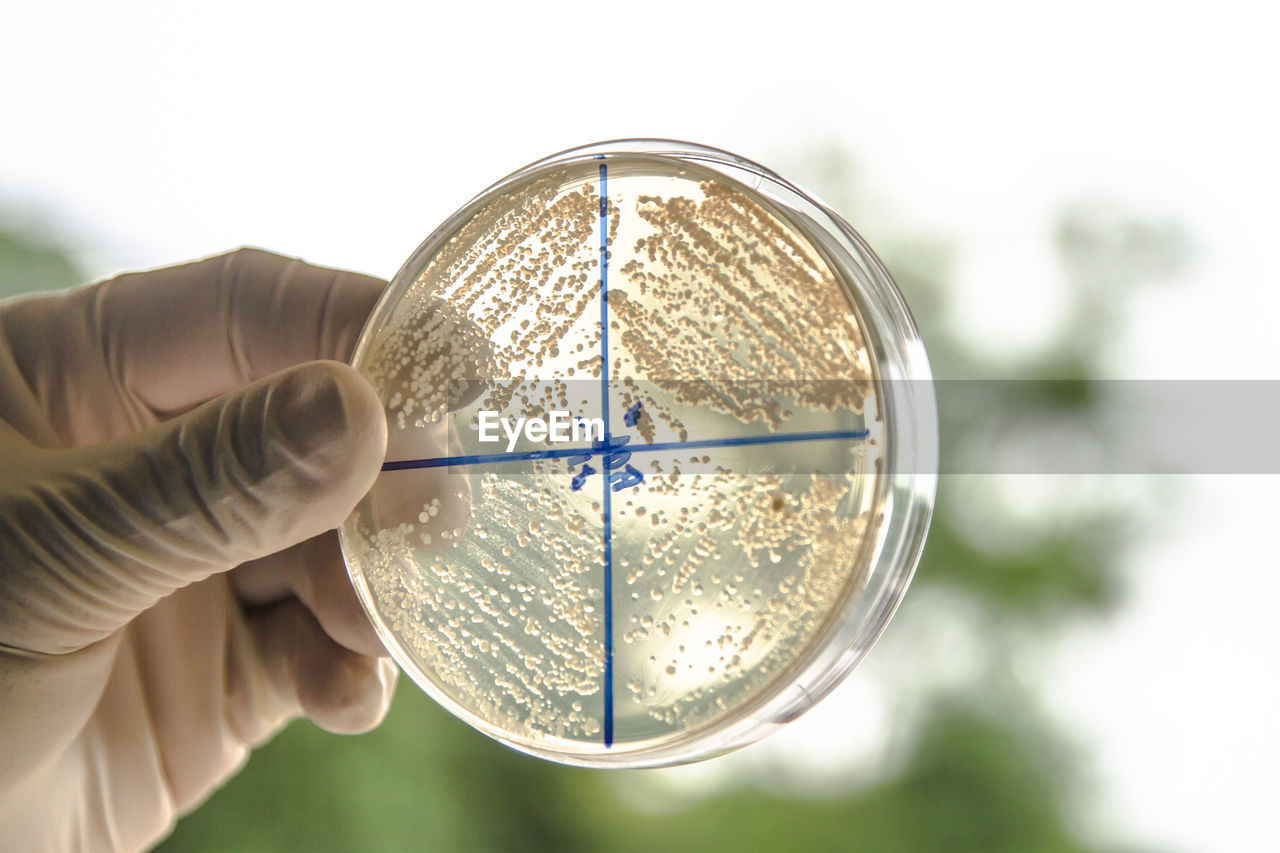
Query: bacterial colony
{"type": "Point", "coordinates": [603, 595]}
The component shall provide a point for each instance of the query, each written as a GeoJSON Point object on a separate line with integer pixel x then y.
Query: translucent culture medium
{"type": "Point", "coordinates": [590, 597]}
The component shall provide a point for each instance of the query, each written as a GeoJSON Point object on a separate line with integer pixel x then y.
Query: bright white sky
{"type": "Point", "coordinates": [150, 132]}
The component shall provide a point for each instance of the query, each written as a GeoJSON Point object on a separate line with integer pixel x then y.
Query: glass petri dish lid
{"type": "Point", "coordinates": [662, 453]}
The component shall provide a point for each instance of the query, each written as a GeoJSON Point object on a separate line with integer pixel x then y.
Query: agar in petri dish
{"type": "Point", "coordinates": [661, 456]}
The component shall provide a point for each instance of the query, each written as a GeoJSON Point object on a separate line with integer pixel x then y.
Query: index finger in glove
{"type": "Point", "coordinates": [188, 333]}
{"type": "Point", "coordinates": [115, 356]}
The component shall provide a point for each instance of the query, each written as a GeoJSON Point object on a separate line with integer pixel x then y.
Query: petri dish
{"type": "Point", "coordinates": [662, 453]}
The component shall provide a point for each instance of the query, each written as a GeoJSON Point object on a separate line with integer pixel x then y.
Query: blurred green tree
{"type": "Point", "coordinates": [29, 263]}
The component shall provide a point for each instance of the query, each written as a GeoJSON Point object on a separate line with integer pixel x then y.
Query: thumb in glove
{"type": "Point", "coordinates": [94, 536]}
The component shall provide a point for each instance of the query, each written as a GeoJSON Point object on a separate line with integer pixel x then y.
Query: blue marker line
{"type": "Point", "coordinates": [582, 453]}
{"type": "Point", "coordinates": [604, 296]}
{"type": "Point", "coordinates": [608, 439]}
{"type": "Point", "coordinates": [748, 440]}
{"type": "Point", "coordinates": [486, 458]}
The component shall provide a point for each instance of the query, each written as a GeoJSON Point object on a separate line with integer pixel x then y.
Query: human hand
{"type": "Point", "coordinates": [173, 460]}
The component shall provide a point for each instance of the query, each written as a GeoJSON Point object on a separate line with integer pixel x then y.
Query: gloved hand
{"type": "Point", "coordinates": [172, 454]}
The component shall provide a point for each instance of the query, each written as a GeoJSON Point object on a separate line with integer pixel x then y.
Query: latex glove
{"type": "Point", "coordinates": [157, 430]}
